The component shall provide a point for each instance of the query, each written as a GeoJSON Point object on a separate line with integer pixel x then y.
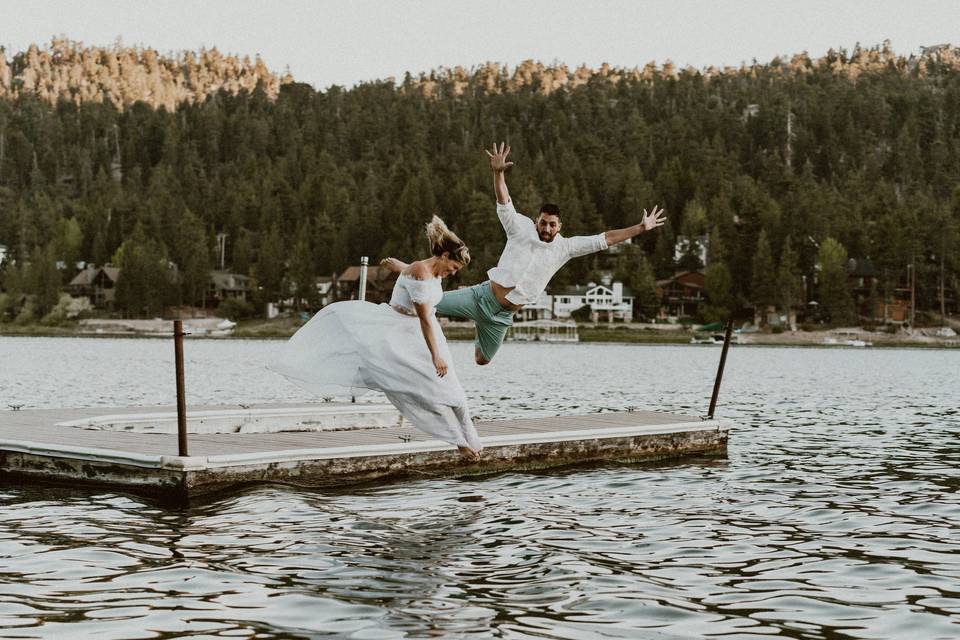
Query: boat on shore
{"type": "Point", "coordinates": [850, 342]}
{"type": "Point", "coordinates": [714, 339]}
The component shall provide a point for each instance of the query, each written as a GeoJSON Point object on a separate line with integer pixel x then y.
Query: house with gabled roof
{"type": "Point", "coordinates": [98, 284]}
{"type": "Point", "coordinates": [379, 284]}
{"type": "Point", "coordinates": [681, 295]}
{"type": "Point", "coordinates": [608, 302]}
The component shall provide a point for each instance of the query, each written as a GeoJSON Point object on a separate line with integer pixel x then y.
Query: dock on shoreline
{"type": "Point", "coordinates": [105, 447]}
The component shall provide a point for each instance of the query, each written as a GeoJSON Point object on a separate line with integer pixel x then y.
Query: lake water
{"type": "Point", "coordinates": [835, 515]}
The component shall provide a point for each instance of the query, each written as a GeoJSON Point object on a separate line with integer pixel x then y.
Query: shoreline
{"type": "Point", "coordinates": [618, 334]}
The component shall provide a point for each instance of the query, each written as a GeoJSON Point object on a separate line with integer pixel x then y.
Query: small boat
{"type": "Point", "coordinates": [716, 338]}
{"type": "Point", "coordinates": [852, 342]}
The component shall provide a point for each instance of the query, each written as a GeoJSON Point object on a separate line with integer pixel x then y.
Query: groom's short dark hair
{"type": "Point", "coordinates": [550, 209]}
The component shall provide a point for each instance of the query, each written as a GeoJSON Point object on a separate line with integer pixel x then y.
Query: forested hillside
{"type": "Point", "coordinates": [785, 168]}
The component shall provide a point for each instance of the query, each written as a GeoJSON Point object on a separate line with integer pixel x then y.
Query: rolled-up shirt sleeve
{"type": "Point", "coordinates": [583, 245]}
{"type": "Point", "coordinates": [509, 218]}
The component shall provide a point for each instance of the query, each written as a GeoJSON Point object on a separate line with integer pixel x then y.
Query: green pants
{"type": "Point", "coordinates": [478, 303]}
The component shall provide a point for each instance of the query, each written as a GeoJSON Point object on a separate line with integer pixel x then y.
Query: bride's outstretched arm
{"type": "Point", "coordinates": [392, 264]}
{"type": "Point", "coordinates": [425, 314]}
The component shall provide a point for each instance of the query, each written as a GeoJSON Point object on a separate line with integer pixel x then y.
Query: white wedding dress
{"type": "Point", "coordinates": [351, 347]}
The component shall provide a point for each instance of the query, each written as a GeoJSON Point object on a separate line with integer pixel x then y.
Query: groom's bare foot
{"type": "Point", "coordinates": [392, 264]}
{"type": "Point", "coordinates": [471, 454]}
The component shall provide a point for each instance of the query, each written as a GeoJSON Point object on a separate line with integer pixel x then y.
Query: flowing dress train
{"type": "Point", "coordinates": [354, 346]}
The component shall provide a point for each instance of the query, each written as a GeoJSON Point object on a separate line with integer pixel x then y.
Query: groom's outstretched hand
{"type": "Point", "coordinates": [653, 219]}
{"type": "Point", "coordinates": [498, 157]}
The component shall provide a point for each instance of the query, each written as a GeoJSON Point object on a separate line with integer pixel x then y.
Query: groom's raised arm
{"type": "Point", "coordinates": [509, 218]}
{"type": "Point", "coordinates": [499, 164]}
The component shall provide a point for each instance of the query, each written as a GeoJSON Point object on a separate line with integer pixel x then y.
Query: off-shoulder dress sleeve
{"type": "Point", "coordinates": [421, 291]}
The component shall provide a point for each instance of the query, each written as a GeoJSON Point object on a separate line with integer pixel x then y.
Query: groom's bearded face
{"type": "Point", "coordinates": [548, 226]}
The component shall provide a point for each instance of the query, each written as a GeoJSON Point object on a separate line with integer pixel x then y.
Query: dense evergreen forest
{"type": "Point", "coordinates": [785, 170]}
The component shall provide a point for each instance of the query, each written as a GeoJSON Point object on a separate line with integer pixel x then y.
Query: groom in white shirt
{"type": "Point", "coordinates": [533, 253]}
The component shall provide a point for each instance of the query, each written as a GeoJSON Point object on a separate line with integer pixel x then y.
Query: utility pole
{"type": "Point", "coordinates": [913, 292]}
{"type": "Point", "coordinates": [222, 248]}
{"type": "Point", "coordinates": [943, 306]}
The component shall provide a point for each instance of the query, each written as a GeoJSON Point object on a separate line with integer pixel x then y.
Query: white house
{"type": "Point", "coordinates": [613, 302]}
{"type": "Point", "coordinates": [542, 309]}
{"type": "Point", "coordinates": [324, 286]}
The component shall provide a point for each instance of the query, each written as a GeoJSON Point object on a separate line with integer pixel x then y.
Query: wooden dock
{"type": "Point", "coordinates": [59, 445]}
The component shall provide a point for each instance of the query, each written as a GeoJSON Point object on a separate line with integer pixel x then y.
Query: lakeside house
{"type": "Point", "coordinates": [346, 285]}
{"type": "Point", "coordinates": [869, 300]}
{"type": "Point", "coordinates": [542, 309]}
{"type": "Point", "coordinates": [681, 295]}
{"type": "Point", "coordinates": [226, 286]}
{"type": "Point", "coordinates": [97, 284]}
{"type": "Point", "coordinates": [324, 286]}
{"type": "Point", "coordinates": [609, 302]}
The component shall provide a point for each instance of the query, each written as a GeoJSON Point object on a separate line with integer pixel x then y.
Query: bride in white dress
{"type": "Point", "coordinates": [398, 348]}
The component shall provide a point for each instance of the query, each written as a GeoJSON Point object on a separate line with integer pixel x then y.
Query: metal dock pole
{"type": "Point", "coordinates": [181, 394]}
{"type": "Point", "coordinates": [364, 261]}
{"type": "Point", "coordinates": [723, 361]}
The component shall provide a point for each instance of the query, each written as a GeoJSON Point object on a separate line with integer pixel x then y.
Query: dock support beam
{"type": "Point", "coordinates": [181, 394]}
{"type": "Point", "coordinates": [723, 361]}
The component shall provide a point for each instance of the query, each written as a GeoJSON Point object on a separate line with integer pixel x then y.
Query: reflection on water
{"type": "Point", "coordinates": [836, 514]}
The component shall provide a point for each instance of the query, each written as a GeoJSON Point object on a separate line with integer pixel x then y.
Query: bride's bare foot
{"type": "Point", "coordinates": [472, 455]}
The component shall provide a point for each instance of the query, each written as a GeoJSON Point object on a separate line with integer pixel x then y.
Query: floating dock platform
{"type": "Point", "coordinates": [322, 445]}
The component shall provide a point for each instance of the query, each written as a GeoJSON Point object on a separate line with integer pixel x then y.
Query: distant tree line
{"type": "Point", "coordinates": [782, 171]}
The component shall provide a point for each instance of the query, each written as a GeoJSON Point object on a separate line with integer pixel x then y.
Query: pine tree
{"type": "Point", "coordinates": [44, 279]}
{"type": "Point", "coordinates": [271, 267]}
{"type": "Point", "coordinates": [242, 258]}
{"type": "Point", "coordinates": [303, 270]}
{"type": "Point", "coordinates": [789, 285]}
{"type": "Point", "coordinates": [646, 304]}
{"type": "Point", "coordinates": [663, 263]}
{"type": "Point", "coordinates": [836, 302]}
{"type": "Point", "coordinates": [718, 287]}
{"type": "Point", "coordinates": [764, 280]}
{"type": "Point", "coordinates": [694, 222]}
{"type": "Point", "coordinates": [69, 241]}
{"type": "Point", "coordinates": [193, 259]}
{"type": "Point", "coordinates": [715, 248]}
{"type": "Point", "coordinates": [143, 286]}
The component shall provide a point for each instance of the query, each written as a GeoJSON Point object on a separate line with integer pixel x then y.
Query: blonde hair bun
{"type": "Point", "coordinates": [436, 231]}
{"type": "Point", "coordinates": [442, 239]}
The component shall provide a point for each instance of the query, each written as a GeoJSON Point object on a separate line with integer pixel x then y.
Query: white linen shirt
{"type": "Point", "coordinates": [527, 262]}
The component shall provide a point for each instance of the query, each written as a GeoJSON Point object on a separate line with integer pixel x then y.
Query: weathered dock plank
{"type": "Point", "coordinates": [33, 446]}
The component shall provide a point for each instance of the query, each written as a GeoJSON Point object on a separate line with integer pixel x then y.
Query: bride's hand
{"type": "Point", "coordinates": [440, 365]}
